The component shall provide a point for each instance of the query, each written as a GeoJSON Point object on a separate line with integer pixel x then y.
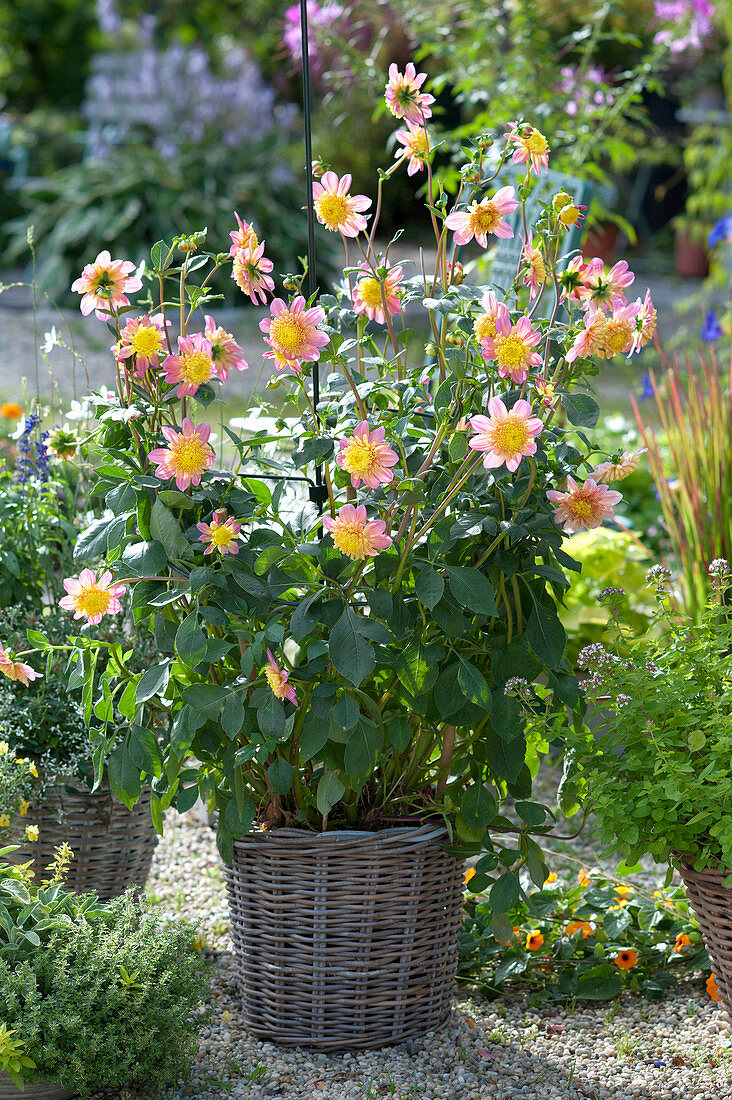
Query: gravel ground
{"type": "Point", "coordinates": [679, 1048]}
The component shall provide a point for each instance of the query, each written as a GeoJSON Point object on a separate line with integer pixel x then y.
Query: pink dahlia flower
{"type": "Point", "coordinates": [415, 142]}
{"type": "Point", "coordinates": [188, 455]}
{"type": "Point", "coordinates": [220, 534]}
{"type": "Point", "coordinates": [143, 337]}
{"type": "Point", "coordinates": [572, 279]}
{"type": "Point", "coordinates": [482, 218]}
{"type": "Point", "coordinates": [533, 258]}
{"type": "Point", "coordinates": [192, 366]}
{"type": "Point", "coordinates": [404, 97]}
{"type": "Point", "coordinates": [619, 335]}
{"type": "Point", "coordinates": [105, 285]}
{"type": "Point", "coordinates": [367, 294]}
{"type": "Point", "coordinates": [585, 506]}
{"type": "Point", "coordinates": [292, 333]}
{"type": "Point", "coordinates": [590, 340]}
{"type": "Point", "coordinates": [484, 326]}
{"type": "Point", "coordinates": [243, 237]}
{"type": "Point", "coordinates": [251, 272]}
{"type": "Point", "coordinates": [355, 535]}
{"type": "Point", "coordinates": [645, 322]}
{"type": "Point", "coordinates": [91, 596]}
{"type": "Point", "coordinates": [530, 147]}
{"type": "Point", "coordinates": [512, 347]}
{"type": "Point", "coordinates": [16, 670]}
{"type": "Point", "coordinates": [277, 679]}
{"type": "Point", "coordinates": [335, 208]}
{"type": "Point", "coordinates": [605, 287]}
{"type": "Point", "coordinates": [617, 471]}
{"type": "Point", "coordinates": [366, 457]}
{"type": "Point", "coordinates": [225, 352]}
{"type": "Point", "coordinates": [505, 436]}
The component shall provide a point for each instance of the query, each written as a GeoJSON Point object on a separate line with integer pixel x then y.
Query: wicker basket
{"type": "Point", "coordinates": [345, 939]}
{"type": "Point", "coordinates": [113, 846]}
{"type": "Point", "coordinates": [38, 1090]}
{"type": "Point", "coordinates": [712, 903]}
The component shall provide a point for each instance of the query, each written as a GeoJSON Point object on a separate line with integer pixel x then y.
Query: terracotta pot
{"type": "Point", "coordinates": [691, 259]}
{"type": "Point", "coordinates": [601, 240]}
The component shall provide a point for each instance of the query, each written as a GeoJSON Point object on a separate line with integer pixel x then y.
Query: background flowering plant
{"type": "Point", "coordinates": [587, 936]}
{"type": "Point", "coordinates": [657, 772]}
{"type": "Point", "coordinates": [352, 667]}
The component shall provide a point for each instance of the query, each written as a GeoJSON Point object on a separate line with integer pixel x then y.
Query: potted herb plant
{"type": "Point", "coordinates": [336, 623]}
{"type": "Point", "coordinates": [658, 776]}
{"type": "Point", "coordinates": [116, 974]}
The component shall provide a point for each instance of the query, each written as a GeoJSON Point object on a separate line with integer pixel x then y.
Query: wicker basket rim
{"type": "Point", "coordinates": [357, 838]}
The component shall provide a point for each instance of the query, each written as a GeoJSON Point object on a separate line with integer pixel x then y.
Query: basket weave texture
{"type": "Point", "coordinates": [345, 940]}
{"type": "Point", "coordinates": [38, 1090]}
{"type": "Point", "coordinates": [712, 903]}
{"type": "Point", "coordinates": [113, 846]}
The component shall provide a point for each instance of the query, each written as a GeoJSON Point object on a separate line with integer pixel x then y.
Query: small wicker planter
{"type": "Point", "coordinates": [38, 1090]}
{"type": "Point", "coordinates": [113, 846]}
{"type": "Point", "coordinates": [345, 940]}
{"type": "Point", "coordinates": [712, 903]}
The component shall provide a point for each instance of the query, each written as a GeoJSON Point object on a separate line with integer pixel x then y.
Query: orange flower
{"type": "Point", "coordinates": [576, 925]}
{"type": "Point", "coordinates": [682, 941]}
{"type": "Point", "coordinates": [11, 411]}
{"type": "Point", "coordinates": [551, 878]}
{"type": "Point", "coordinates": [623, 891]}
{"type": "Point", "coordinates": [583, 877]}
{"type": "Point", "coordinates": [712, 987]}
{"type": "Point", "coordinates": [470, 873]}
{"type": "Point", "coordinates": [534, 941]}
{"type": "Point", "coordinates": [626, 959]}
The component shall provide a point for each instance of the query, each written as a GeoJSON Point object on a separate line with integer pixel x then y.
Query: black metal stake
{"type": "Point", "coordinates": [318, 491]}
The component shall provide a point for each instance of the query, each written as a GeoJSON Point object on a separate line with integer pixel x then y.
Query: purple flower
{"type": "Point", "coordinates": [711, 329]}
{"type": "Point", "coordinates": [720, 231]}
{"type": "Point", "coordinates": [647, 389]}
{"type": "Point", "coordinates": [322, 20]}
{"type": "Point", "coordinates": [686, 23]}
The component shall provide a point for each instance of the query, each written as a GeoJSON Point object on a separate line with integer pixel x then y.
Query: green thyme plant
{"type": "Point", "coordinates": [117, 974]}
{"type": "Point", "coordinates": [658, 772]}
{"type": "Point", "coordinates": [587, 937]}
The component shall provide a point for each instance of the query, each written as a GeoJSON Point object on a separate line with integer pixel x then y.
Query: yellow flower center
{"type": "Point", "coordinates": [510, 437]}
{"type": "Point", "coordinates": [536, 143]}
{"type": "Point", "coordinates": [419, 145]}
{"type": "Point", "coordinates": [511, 350]}
{"type": "Point", "coordinates": [370, 291]}
{"type": "Point", "coordinates": [93, 601]}
{"type": "Point", "coordinates": [569, 215]}
{"type": "Point", "coordinates": [333, 209]}
{"type": "Point", "coordinates": [146, 341]}
{"type": "Point", "coordinates": [581, 509]}
{"type": "Point", "coordinates": [288, 330]}
{"type": "Point", "coordinates": [484, 327]}
{"type": "Point", "coordinates": [484, 217]}
{"type": "Point", "coordinates": [190, 455]}
{"type": "Point", "coordinates": [351, 539]}
{"type": "Point", "coordinates": [276, 681]}
{"type": "Point", "coordinates": [197, 367]}
{"type": "Point", "coordinates": [222, 536]}
{"type": "Point", "coordinates": [360, 457]}
{"type": "Point", "coordinates": [617, 336]}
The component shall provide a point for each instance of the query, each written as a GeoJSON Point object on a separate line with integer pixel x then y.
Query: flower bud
{"type": "Point", "coordinates": [192, 242]}
{"type": "Point", "coordinates": [560, 200]}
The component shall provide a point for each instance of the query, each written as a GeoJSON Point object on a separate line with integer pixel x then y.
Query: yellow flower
{"type": "Point", "coordinates": [534, 940]}
{"type": "Point", "coordinates": [11, 411]}
{"type": "Point", "coordinates": [23, 808]}
{"type": "Point", "coordinates": [4, 748]}
{"type": "Point", "coordinates": [583, 877]}
{"type": "Point", "coordinates": [470, 873]}
{"type": "Point", "coordinates": [4, 821]}
{"type": "Point", "coordinates": [551, 878]}
{"type": "Point", "coordinates": [623, 891]}
{"type": "Point", "coordinates": [33, 770]}
{"type": "Point", "coordinates": [31, 832]}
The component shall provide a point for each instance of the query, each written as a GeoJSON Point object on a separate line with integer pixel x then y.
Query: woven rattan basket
{"type": "Point", "coordinates": [113, 846]}
{"type": "Point", "coordinates": [712, 903]}
{"type": "Point", "coordinates": [37, 1091]}
{"type": "Point", "coordinates": [345, 940]}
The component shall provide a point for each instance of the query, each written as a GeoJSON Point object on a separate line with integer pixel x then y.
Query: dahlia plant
{"type": "Point", "coordinates": [339, 656]}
